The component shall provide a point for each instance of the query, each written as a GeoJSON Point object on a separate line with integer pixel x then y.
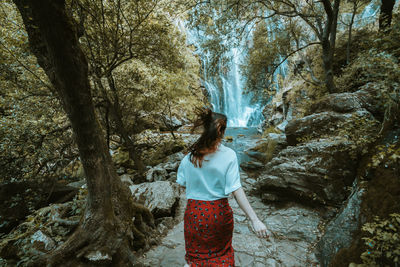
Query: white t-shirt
{"type": "Point", "coordinates": [217, 178]}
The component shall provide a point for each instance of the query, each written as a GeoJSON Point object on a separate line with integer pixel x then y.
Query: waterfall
{"type": "Point", "coordinates": [225, 87]}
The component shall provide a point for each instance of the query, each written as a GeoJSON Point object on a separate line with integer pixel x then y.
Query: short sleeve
{"type": "Point", "coordinates": [232, 177]}
{"type": "Point", "coordinates": [180, 175]}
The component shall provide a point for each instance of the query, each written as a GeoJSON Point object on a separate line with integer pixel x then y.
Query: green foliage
{"type": "Point", "coordinates": [370, 66]}
{"type": "Point", "coordinates": [361, 131]}
{"type": "Point", "coordinates": [135, 52]}
{"type": "Point", "coordinates": [386, 154]}
{"type": "Point", "coordinates": [270, 129]}
{"type": "Point", "coordinates": [35, 137]}
{"type": "Point", "coordinates": [265, 55]}
{"type": "Point", "coordinates": [383, 241]}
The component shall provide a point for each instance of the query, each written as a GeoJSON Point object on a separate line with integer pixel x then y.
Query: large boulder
{"type": "Point", "coordinates": [330, 123]}
{"type": "Point", "coordinates": [161, 197]}
{"type": "Point", "coordinates": [318, 172]}
{"type": "Point", "coordinates": [267, 148]}
{"type": "Point", "coordinates": [365, 98]}
{"type": "Point", "coordinates": [339, 231]}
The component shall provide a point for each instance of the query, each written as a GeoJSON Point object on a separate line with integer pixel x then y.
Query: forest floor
{"type": "Point", "coordinates": [295, 230]}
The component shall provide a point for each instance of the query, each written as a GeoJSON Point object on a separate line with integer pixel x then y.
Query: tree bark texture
{"type": "Point", "coordinates": [385, 16]}
{"type": "Point", "coordinates": [112, 224]}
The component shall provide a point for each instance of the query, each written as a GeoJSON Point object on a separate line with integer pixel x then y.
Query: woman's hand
{"type": "Point", "coordinates": [260, 229]}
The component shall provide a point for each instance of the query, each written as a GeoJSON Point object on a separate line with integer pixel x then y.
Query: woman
{"type": "Point", "coordinates": [210, 172]}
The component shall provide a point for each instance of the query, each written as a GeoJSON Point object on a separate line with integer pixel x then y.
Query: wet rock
{"type": "Point", "coordinates": [302, 224]}
{"type": "Point", "coordinates": [161, 197]}
{"type": "Point", "coordinates": [318, 171]}
{"type": "Point", "coordinates": [339, 231]}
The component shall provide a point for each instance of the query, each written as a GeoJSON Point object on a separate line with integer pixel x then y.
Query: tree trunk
{"type": "Point", "coordinates": [385, 16]}
{"type": "Point", "coordinates": [353, 15]}
{"type": "Point", "coordinates": [122, 130]}
{"type": "Point", "coordinates": [327, 59]}
{"type": "Point", "coordinates": [112, 223]}
{"type": "Point", "coordinates": [328, 40]}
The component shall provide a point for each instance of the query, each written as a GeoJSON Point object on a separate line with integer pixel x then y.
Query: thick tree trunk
{"type": "Point", "coordinates": [385, 16]}
{"type": "Point", "coordinates": [112, 223]}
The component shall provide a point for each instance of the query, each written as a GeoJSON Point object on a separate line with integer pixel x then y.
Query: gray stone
{"type": "Point", "coordinates": [317, 171]}
{"type": "Point", "coordinates": [157, 173]}
{"type": "Point", "coordinates": [175, 157]}
{"type": "Point", "coordinates": [78, 184]}
{"type": "Point", "coordinates": [271, 263]}
{"type": "Point", "coordinates": [327, 123]}
{"type": "Point", "coordinates": [42, 242]}
{"type": "Point", "coordinates": [245, 259]}
{"type": "Point", "coordinates": [169, 123]}
{"type": "Point", "coordinates": [365, 98]}
{"type": "Point", "coordinates": [161, 197]}
{"type": "Point", "coordinates": [252, 165]}
{"type": "Point", "coordinates": [171, 166]}
{"type": "Point", "coordinates": [267, 148]}
{"type": "Point", "coordinates": [127, 179]}
{"type": "Point", "coordinates": [339, 231]}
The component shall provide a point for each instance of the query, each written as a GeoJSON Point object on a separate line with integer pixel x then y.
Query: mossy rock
{"type": "Point", "coordinates": [270, 129]}
{"type": "Point", "coordinates": [229, 138]}
{"type": "Point", "coordinates": [267, 149]}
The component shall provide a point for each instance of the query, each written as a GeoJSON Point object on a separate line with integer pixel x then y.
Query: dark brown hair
{"type": "Point", "coordinates": [214, 125]}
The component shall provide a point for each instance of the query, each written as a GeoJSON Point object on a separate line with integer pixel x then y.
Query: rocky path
{"type": "Point", "coordinates": [295, 231]}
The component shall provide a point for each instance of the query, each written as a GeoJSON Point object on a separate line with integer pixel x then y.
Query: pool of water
{"type": "Point", "coordinates": [243, 138]}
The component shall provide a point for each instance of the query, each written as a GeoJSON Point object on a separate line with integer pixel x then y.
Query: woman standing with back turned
{"type": "Point", "coordinates": [210, 172]}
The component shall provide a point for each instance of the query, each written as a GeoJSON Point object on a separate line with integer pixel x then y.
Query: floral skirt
{"type": "Point", "coordinates": [208, 228]}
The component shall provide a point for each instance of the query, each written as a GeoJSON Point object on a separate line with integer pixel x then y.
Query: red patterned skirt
{"type": "Point", "coordinates": [208, 229]}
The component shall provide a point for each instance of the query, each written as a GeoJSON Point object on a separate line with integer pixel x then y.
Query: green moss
{"type": "Point", "coordinates": [267, 148]}
{"type": "Point", "coordinates": [270, 129]}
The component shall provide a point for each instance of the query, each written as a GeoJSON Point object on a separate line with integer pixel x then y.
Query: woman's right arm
{"type": "Point", "coordinates": [241, 199]}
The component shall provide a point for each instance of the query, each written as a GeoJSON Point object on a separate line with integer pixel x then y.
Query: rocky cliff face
{"type": "Point", "coordinates": [320, 162]}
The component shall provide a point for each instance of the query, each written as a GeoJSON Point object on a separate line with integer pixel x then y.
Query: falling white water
{"type": "Point", "coordinates": [229, 99]}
